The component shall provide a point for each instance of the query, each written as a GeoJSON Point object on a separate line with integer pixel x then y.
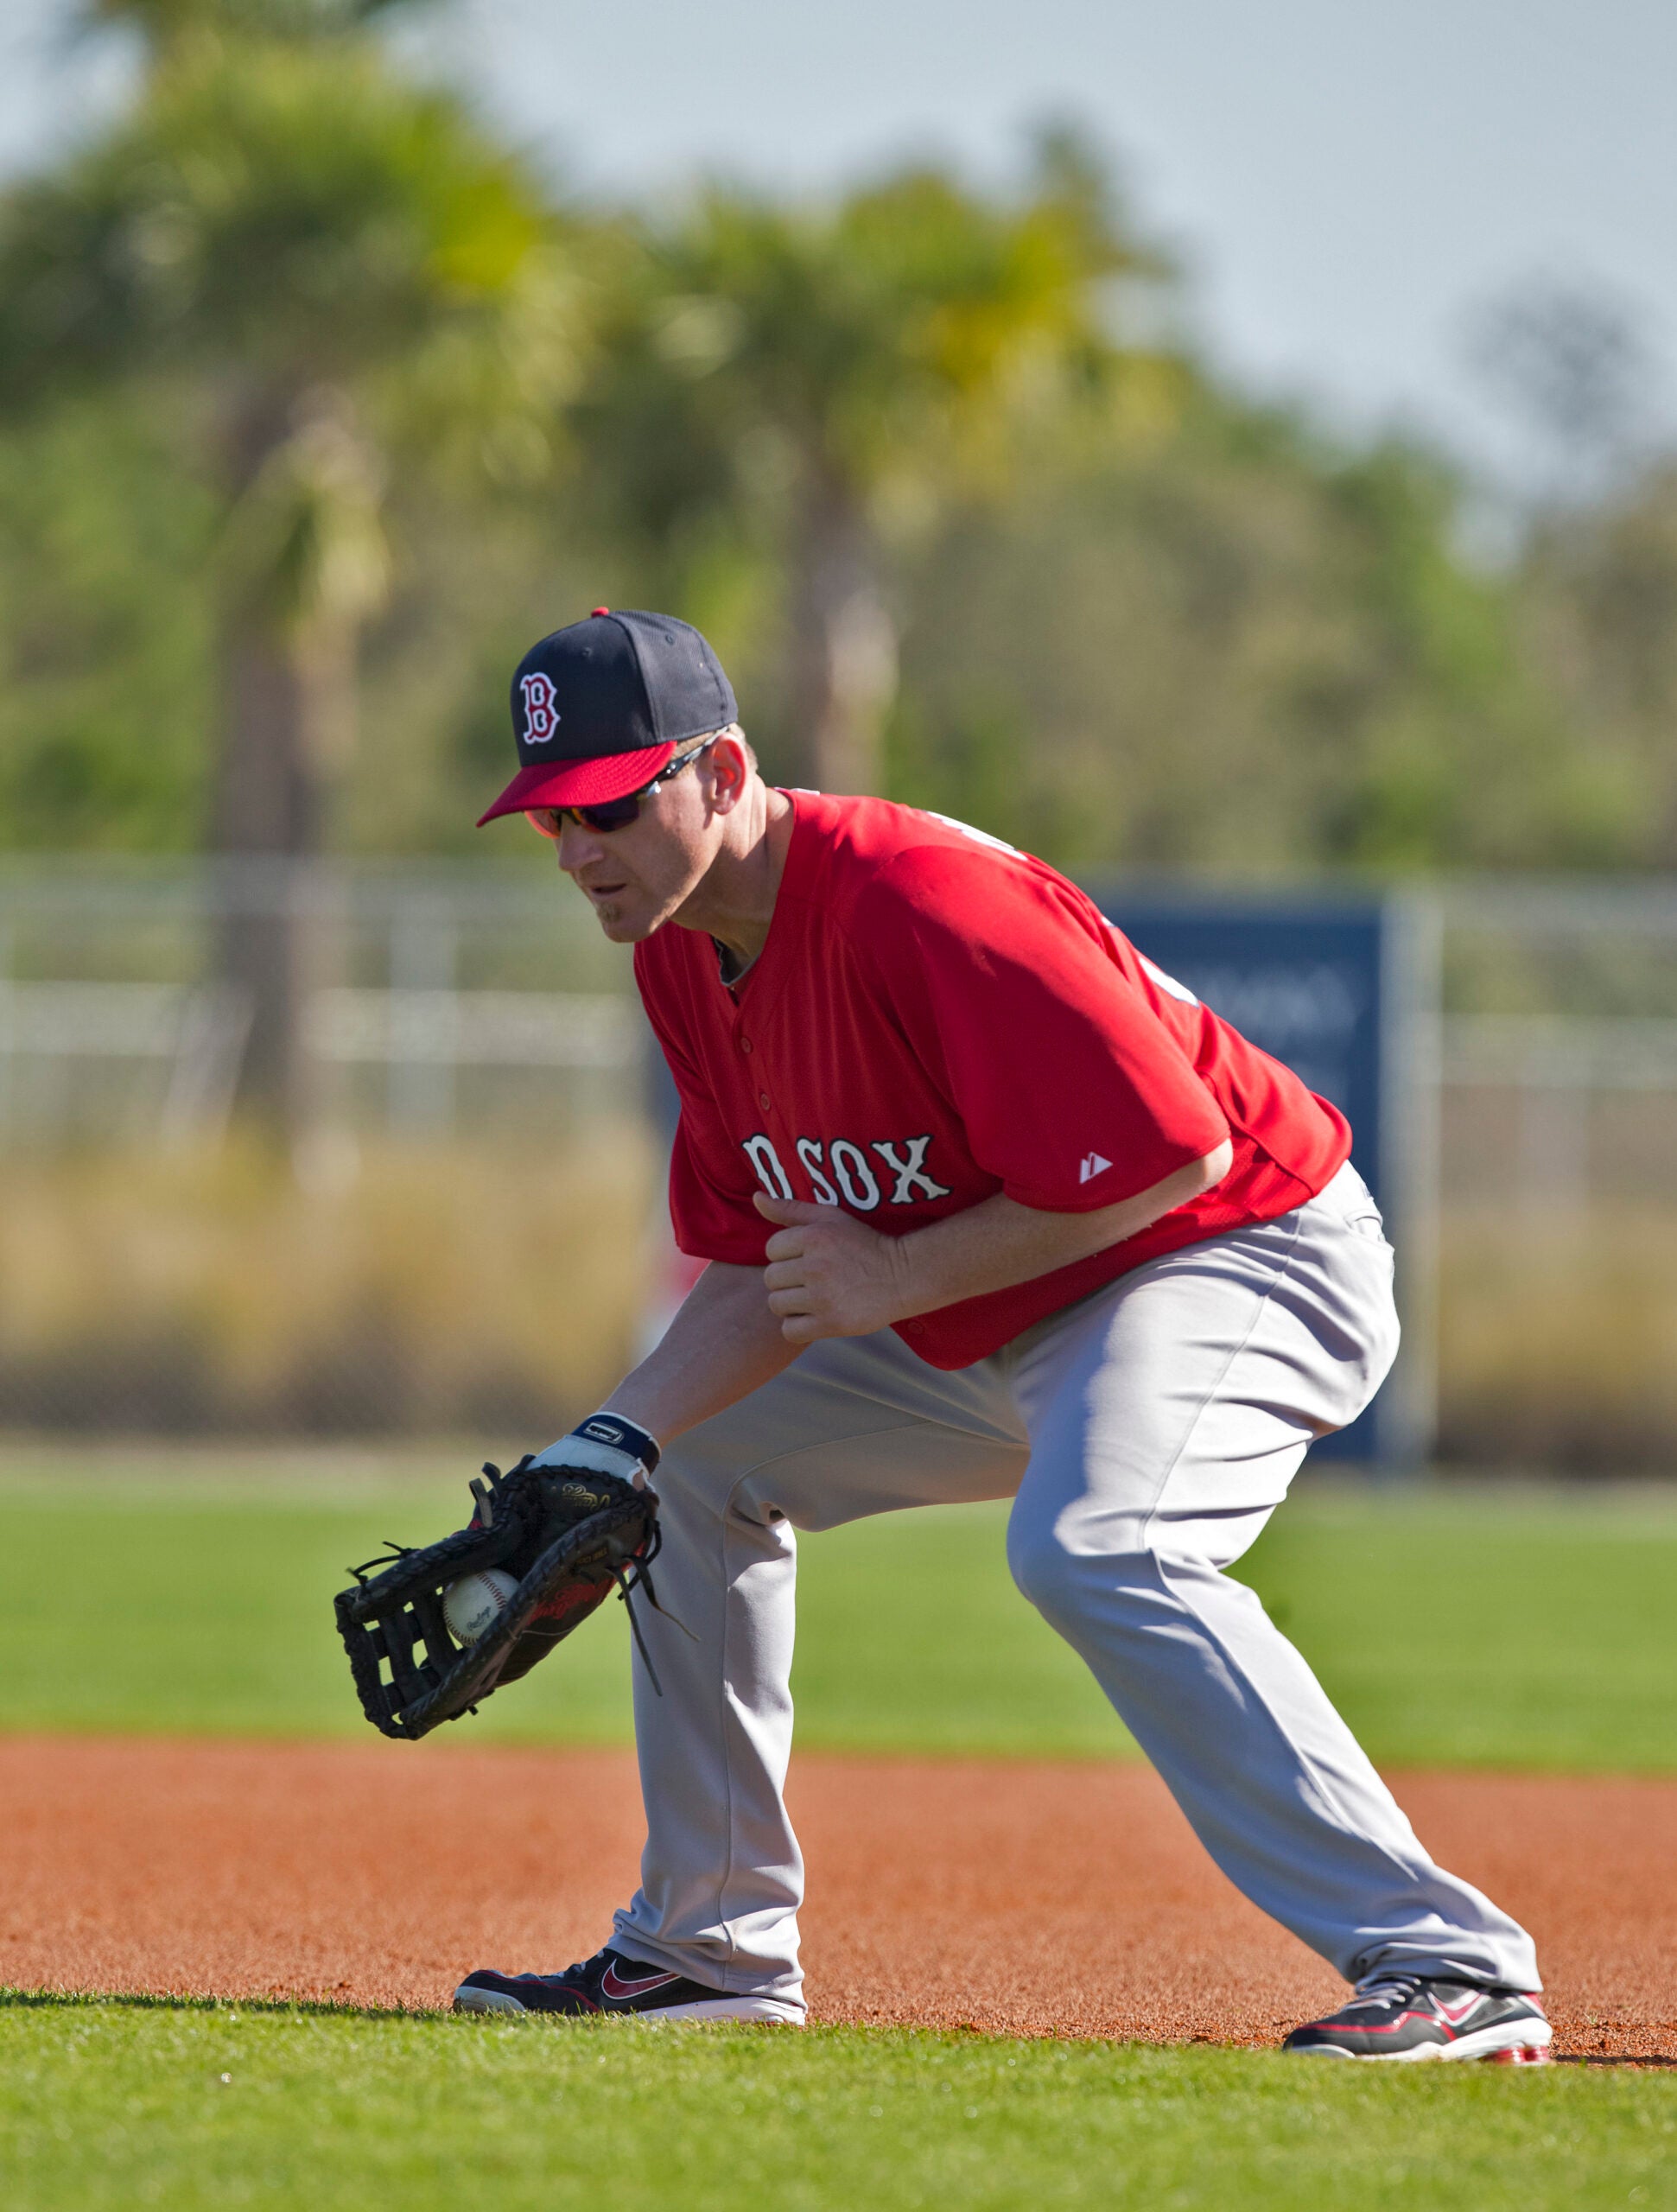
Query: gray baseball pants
{"type": "Point", "coordinates": [1146, 1435]}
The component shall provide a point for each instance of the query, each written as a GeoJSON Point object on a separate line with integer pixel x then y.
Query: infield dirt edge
{"type": "Point", "coordinates": [1062, 1898]}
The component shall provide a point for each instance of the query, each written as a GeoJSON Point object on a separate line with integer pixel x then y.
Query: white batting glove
{"type": "Point", "coordinates": [606, 1444]}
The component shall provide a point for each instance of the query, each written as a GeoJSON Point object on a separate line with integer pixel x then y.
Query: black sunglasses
{"type": "Point", "coordinates": [611, 813]}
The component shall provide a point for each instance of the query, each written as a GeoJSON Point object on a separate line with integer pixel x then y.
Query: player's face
{"type": "Point", "coordinates": [637, 878]}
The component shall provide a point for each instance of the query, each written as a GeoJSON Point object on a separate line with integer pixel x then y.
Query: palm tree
{"type": "Point", "coordinates": [328, 274]}
{"type": "Point", "coordinates": [830, 368]}
{"type": "Point", "coordinates": [165, 24]}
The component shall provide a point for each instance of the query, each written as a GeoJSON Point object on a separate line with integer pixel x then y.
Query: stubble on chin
{"type": "Point", "coordinates": [619, 927]}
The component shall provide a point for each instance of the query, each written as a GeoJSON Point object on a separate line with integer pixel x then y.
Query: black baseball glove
{"type": "Point", "coordinates": [570, 1534]}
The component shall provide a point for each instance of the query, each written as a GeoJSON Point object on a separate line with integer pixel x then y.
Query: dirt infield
{"type": "Point", "coordinates": [1062, 1898]}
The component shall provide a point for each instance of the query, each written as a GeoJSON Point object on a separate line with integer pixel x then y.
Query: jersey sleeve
{"type": "Point", "coordinates": [1073, 1092]}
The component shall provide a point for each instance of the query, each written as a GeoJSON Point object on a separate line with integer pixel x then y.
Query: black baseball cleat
{"type": "Point", "coordinates": [1413, 2016]}
{"type": "Point", "coordinates": [609, 1983]}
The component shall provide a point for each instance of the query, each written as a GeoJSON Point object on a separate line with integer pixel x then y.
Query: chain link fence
{"type": "Point", "coordinates": [457, 1222]}
{"type": "Point", "coordinates": [1558, 1176]}
{"type": "Point", "coordinates": [437, 1221]}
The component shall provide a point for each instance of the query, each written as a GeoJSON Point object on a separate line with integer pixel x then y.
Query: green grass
{"type": "Point", "coordinates": [1515, 1628]}
{"type": "Point", "coordinates": [1512, 1629]}
{"type": "Point", "coordinates": [1519, 1628]}
{"type": "Point", "coordinates": [109, 2104]}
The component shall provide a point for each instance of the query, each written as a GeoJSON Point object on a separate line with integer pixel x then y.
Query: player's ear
{"type": "Point", "coordinates": [729, 765]}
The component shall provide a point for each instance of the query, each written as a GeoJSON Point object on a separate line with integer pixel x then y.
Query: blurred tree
{"type": "Point", "coordinates": [104, 704]}
{"type": "Point", "coordinates": [1234, 650]}
{"type": "Point", "coordinates": [330, 273]}
{"type": "Point", "coordinates": [1572, 360]}
{"type": "Point", "coordinates": [901, 457]}
{"type": "Point", "coordinates": [796, 379]}
{"type": "Point", "coordinates": [1598, 604]}
{"type": "Point", "coordinates": [165, 25]}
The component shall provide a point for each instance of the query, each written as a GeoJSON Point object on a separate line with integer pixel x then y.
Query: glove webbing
{"type": "Point", "coordinates": [396, 1636]}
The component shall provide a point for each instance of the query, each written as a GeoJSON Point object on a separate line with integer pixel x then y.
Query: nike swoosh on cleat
{"type": "Point", "coordinates": [613, 1987]}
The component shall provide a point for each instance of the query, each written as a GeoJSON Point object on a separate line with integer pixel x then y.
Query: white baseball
{"type": "Point", "coordinates": [470, 1607]}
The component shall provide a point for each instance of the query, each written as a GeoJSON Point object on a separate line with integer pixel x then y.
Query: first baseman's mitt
{"type": "Point", "coordinates": [568, 1535]}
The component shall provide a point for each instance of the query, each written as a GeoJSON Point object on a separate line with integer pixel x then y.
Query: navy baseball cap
{"type": "Point", "coordinates": [600, 707]}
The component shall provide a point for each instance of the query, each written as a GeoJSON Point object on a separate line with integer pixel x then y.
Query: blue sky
{"type": "Point", "coordinates": [1345, 180]}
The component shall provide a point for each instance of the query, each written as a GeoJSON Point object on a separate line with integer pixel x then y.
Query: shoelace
{"type": "Point", "coordinates": [1391, 1988]}
{"type": "Point", "coordinates": [636, 1576]}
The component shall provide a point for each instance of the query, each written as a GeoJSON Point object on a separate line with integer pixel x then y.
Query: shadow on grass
{"type": "Point", "coordinates": [1588, 2058]}
{"type": "Point", "coordinates": [20, 2000]}
{"type": "Point", "coordinates": [130, 2000]}
{"type": "Point", "coordinates": [23, 2000]}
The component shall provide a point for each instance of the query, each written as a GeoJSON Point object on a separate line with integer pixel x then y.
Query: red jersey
{"type": "Point", "coordinates": [935, 1017]}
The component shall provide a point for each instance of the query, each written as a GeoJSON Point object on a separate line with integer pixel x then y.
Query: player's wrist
{"type": "Point", "coordinates": [910, 1274]}
{"type": "Point", "coordinates": [606, 1444]}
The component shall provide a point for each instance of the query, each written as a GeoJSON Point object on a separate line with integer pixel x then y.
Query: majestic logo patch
{"type": "Point", "coordinates": [1093, 1165]}
{"type": "Point", "coordinates": [541, 716]}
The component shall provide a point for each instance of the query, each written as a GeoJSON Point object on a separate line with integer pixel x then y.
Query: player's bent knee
{"type": "Point", "coordinates": [1044, 1571]}
{"type": "Point", "coordinates": [1068, 1585]}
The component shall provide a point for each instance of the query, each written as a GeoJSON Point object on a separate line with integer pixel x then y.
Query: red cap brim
{"type": "Point", "coordinates": [581, 782]}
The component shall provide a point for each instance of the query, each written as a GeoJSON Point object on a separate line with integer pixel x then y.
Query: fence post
{"type": "Point", "coordinates": [1412, 1080]}
{"type": "Point", "coordinates": [7, 1062]}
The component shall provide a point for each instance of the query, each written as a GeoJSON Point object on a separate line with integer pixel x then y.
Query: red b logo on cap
{"type": "Point", "coordinates": [541, 719]}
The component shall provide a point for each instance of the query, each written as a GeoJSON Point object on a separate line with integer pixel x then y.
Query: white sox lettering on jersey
{"type": "Point", "coordinates": [857, 1185]}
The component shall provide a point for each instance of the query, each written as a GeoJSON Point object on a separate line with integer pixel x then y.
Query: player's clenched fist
{"type": "Point", "coordinates": [827, 1276]}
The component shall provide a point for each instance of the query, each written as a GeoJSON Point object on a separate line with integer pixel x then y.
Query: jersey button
{"type": "Point", "coordinates": [745, 1044]}
{"type": "Point", "coordinates": [763, 1100]}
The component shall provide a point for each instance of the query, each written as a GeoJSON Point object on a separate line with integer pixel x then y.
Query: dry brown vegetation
{"type": "Point", "coordinates": [439, 1289]}
{"type": "Point", "coordinates": [417, 1289]}
{"type": "Point", "coordinates": [1558, 1338]}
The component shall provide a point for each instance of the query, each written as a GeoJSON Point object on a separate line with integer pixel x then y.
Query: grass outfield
{"type": "Point", "coordinates": [110, 2104]}
{"type": "Point", "coordinates": [1519, 1628]}
{"type": "Point", "coordinates": [1515, 1628]}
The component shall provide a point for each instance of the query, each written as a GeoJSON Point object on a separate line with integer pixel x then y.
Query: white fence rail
{"type": "Point", "coordinates": [527, 1029]}
{"type": "Point", "coordinates": [198, 1032]}
{"type": "Point", "coordinates": [159, 1056]}
{"type": "Point", "coordinates": [458, 1003]}
{"type": "Point", "coordinates": [1559, 1052]}
{"type": "Point", "coordinates": [445, 999]}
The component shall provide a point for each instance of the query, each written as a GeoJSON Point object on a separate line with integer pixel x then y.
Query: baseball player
{"type": "Point", "coordinates": [993, 1208]}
